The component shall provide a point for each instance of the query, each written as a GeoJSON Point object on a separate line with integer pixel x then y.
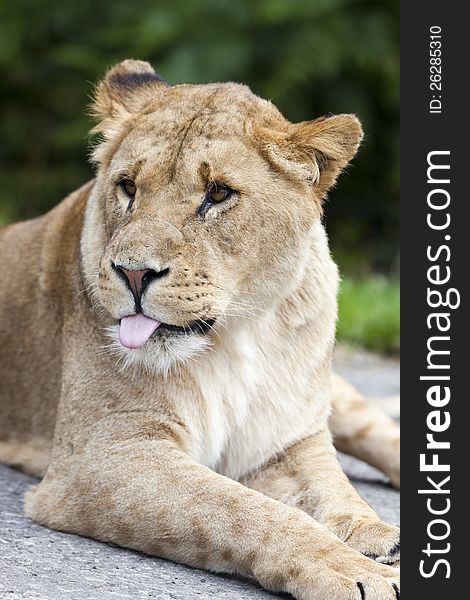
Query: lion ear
{"type": "Point", "coordinates": [316, 151]}
{"type": "Point", "coordinates": [125, 89]}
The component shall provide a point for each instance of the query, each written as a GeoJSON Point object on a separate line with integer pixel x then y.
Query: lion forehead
{"type": "Point", "coordinates": [213, 111]}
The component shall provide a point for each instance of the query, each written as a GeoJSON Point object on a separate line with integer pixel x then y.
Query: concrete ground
{"type": "Point", "coordinates": [39, 564]}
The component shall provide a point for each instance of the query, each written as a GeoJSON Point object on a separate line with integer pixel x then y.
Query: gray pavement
{"type": "Point", "coordinates": [39, 564]}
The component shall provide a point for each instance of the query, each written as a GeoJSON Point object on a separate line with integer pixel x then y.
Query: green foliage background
{"type": "Point", "coordinates": [309, 56]}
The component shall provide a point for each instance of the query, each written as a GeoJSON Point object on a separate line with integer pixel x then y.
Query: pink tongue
{"type": "Point", "coordinates": [135, 330]}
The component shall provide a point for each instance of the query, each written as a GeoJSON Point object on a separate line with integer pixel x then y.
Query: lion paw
{"type": "Point", "coordinates": [347, 575]}
{"type": "Point", "coordinates": [376, 540]}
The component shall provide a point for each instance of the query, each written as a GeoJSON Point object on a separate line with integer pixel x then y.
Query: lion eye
{"type": "Point", "coordinates": [215, 194]}
{"type": "Point", "coordinates": [218, 193]}
{"type": "Point", "coordinates": [128, 187]}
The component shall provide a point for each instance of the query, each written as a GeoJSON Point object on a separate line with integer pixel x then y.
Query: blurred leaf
{"type": "Point", "coordinates": [369, 313]}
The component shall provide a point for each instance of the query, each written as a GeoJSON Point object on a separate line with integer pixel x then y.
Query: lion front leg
{"type": "Point", "coordinates": [147, 494]}
{"type": "Point", "coordinates": [309, 476]}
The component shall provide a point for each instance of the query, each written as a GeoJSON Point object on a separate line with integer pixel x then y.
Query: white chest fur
{"type": "Point", "coordinates": [257, 398]}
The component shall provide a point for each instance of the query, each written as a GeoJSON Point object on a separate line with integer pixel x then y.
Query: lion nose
{"type": "Point", "coordinates": [138, 281]}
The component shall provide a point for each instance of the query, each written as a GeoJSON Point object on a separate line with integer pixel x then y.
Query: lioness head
{"type": "Point", "coordinates": [203, 208]}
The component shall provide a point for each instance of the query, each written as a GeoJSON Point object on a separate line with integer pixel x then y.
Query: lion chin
{"type": "Point", "coordinates": [161, 354]}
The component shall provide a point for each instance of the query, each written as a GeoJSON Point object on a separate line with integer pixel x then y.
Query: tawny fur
{"type": "Point", "coordinates": [215, 449]}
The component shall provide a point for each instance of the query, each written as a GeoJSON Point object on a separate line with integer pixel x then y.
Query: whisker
{"type": "Point", "coordinates": [211, 327]}
{"type": "Point", "coordinates": [242, 311]}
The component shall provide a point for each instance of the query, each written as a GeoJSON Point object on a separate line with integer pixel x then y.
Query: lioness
{"type": "Point", "coordinates": [166, 342]}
